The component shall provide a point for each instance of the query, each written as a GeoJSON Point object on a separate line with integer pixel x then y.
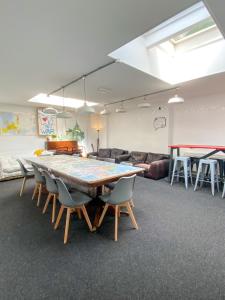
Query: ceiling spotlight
{"type": "Point", "coordinates": [50, 111]}
{"type": "Point", "coordinates": [144, 104]}
{"type": "Point", "coordinates": [176, 99]}
{"type": "Point", "coordinates": [120, 109]}
{"type": "Point", "coordinates": [104, 112]}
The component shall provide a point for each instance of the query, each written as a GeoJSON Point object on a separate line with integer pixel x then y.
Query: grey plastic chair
{"type": "Point", "coordinates": [71, 202]}
{"type": "Point", "coordinates": [52, 189]}
{"type": "Point", "coordinates": [112, 185]}
{"type": "Point", "coordinates": [120, 197]}
{"type": "Point", "coordinates": [40, 183]}
{"type": "Point", "coordinates": [26, 173]}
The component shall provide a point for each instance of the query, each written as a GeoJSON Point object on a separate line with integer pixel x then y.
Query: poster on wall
{"type": "Point", "coordinates": [46, 124]}
{"type": "Point", "coordinates": [12, 123]}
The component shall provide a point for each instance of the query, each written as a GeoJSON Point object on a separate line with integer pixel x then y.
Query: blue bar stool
{"type": "Point", "coordinates": [186, 173]}
{"type": "Point", "coordinates": [202, 175]}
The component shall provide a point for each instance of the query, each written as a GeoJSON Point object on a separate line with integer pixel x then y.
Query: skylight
{"type": "Point", "coordinates": [185, 47]}
{"type": "Point", "coordinates": [59, 101]}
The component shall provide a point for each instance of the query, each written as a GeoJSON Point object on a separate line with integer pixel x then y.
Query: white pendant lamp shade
{"type": "Point", "coordinates": [176, 99]}
{"type": "Point", "coordinates": [64, 115]}
{"type": "Point", "coordinates": [144, 104]}
{"type": "Point", "coordinates": [85, 109]}
{"type": "Point", "coordinates": [50, 111]}
{"type": "Point", "coordinates": [121, 109]}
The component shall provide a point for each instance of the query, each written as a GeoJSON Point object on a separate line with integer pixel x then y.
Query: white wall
{"type": "Point", "coordinates": [199, 120]}
{"type": "Point", "coordinates": [24, 144]}
{"type": "Point", "coordinates": [19, 144]}
{"type": "Point", "coordinates": [134, 130]}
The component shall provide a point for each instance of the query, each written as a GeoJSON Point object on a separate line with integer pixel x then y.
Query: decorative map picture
{"type": "Point", "coordinates": [9, 123]}
{"type": "Point", "coordinates": [46, 123]}
{"type": "Point", "coordinates": [17, 123]}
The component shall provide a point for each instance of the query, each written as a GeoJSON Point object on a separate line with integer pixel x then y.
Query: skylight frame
{"type": "Point", "coordinates": [194, 34]}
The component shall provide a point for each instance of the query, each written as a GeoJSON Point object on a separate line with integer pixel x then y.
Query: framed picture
{"type": "Point", "coordinates": [46, 123]}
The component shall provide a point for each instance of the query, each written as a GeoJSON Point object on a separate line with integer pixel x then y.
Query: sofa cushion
{"type": "Point", "coordinates": [116, 152]}
{"type": "Point", "coordinates": [102, 153]}
{"type": "Point", "coordinates": [137, 156]}
{"type": "Point", "coordinates": [154, 157]}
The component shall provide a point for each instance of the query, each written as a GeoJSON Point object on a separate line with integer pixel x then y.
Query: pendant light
{"type": "Point", "coordinates": [64, 114]}
{"type": "Point", "coordinates": [50, 111]}
{"type": "Point", "coordinates": [176, 99]}
{"type": "Point", "coordinates": [85, 109]}
{"type": "Point", "coordinates": [105, 111]}
{"type": "Point", "coordinates": [121, 109]}
{"type": "Point", "coordinates": [144, 104]}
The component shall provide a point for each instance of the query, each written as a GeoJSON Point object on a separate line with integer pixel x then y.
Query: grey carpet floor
{"type": "Point", "coordinates": [178, 253]}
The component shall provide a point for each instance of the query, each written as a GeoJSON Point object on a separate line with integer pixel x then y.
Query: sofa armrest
{"type": "Point", "coordinates": [123, 157]}
{"type": "Point", "coordinates": [92, 153]}
{"type": "Point", "coordinates": [158, 169]}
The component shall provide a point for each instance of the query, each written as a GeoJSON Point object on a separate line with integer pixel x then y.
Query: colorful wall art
{"type": "Point", "coordinates": [46, 124]}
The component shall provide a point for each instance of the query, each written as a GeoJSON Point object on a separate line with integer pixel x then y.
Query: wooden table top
{"type": "Point", "coordinates": [84, 171]}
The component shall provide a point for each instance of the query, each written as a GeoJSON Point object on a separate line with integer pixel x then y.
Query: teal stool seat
{"type": "Point", "coordinates": [201, 176]}
{"type": "Point", "coordinates": [185, 162]}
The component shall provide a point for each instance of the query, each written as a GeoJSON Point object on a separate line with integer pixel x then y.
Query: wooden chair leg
{"type": "Point", "coordinates": [79, 213]}
{"type": "Point", "coordinates": [59, 217]}
{"type": "Point", "coordinates": [119, 211]}
{"type": "Point", "coordinates": [23, 186]}
{"type": "Point", "coordinates": [67, 225]}
{"type": "Point", "coordinates": [103, 214]}
{"type": "Point", "coordinates": [129, 209]}
{"type": "Point", "coordinates": [86, 217]}
{"type": "Point", "coordinates": [53, 208]}
{"type": "Point", "coordinates": [39, 194]}
{"type": "Point", "coordinates": [35, 191]}
{"type": "Point", "coordinates": [47, 202]}
{"type": "Point", "coordinates": [116, 223]}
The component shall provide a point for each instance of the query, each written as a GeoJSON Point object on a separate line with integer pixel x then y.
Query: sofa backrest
{"type": "Point", "coordinates": [104, 153]}
{"type": "Point", "coordinates": [138, 156]}
{"type": "Point", "coordinates": [155, 156]}
{"type": "Point", "coordinates": [116, 152]}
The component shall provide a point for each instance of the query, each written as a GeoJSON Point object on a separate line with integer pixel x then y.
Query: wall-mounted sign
{"type": "Point", "coordinates": [46, 123]}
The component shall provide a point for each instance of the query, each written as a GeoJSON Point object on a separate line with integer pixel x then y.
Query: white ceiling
{"type": "Point", "coordinates": [47, 43]}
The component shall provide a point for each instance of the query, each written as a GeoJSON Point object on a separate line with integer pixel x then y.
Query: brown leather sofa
{"type": "Point", "coordinates": [156, 165]}
{"type": "Point", "coordinates": [107, 154]}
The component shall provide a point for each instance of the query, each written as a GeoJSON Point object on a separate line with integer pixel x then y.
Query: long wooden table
{"type": "Point", "coordinates": [212, 150]}
{"type": "Point", "coordinates": [84, 171]}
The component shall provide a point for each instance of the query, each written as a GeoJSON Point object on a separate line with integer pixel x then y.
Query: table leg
{"type": "Point", "coordinates": [170, 164]}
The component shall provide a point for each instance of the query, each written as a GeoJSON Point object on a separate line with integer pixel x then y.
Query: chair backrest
{"type": "Point", "coordinates": [64, 195]}
{"type": "Point", "coordinates": [123, 190]}
{"type": "Point", "coordinates": [50, 183]}
{"type": "Point", "coordinates": [37, 174]}
{"type": "Point", "coordinates": [23, 169]}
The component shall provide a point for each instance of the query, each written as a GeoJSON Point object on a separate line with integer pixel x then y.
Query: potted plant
{"type": "Point", "coordinates": [76, 133]}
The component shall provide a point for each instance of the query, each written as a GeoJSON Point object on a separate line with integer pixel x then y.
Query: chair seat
{"type": "Point", "coordinates": [208, 161]}
{"type": "Point", "coordinates": [80, 198]}
{"type": "Point", "coordinates": [29, 174]}
{"type": "Point", "coordinates": [105, 198]}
